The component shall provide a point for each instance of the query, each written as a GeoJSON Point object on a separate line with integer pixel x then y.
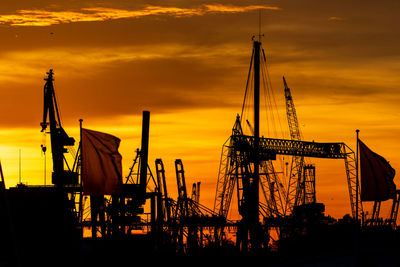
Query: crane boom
{"type": "Point", "coordinates": [294, 128]}
{"type": "Point", "coordinates": [294, 192]}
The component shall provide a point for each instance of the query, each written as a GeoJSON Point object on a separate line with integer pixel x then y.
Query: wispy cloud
{"type": "Point", "coordinates": [14, 65]}
{"type": "Point", "coordinates": [236, 9]}
{"type": "Point", "coordinates": [47, 18]}
{"type": "Point", "coordinates": [336, 18]}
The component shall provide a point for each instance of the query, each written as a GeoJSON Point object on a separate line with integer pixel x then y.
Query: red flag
{"type": "Point", "coordinates": [376, 176]}
{"type": "Point", "coordinates": [101, 163]}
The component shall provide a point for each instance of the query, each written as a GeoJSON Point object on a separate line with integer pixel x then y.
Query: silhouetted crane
{"type": "Point", "coordinates": [59, 138]}
{"type": "Point", "coordinates": [301, 189]}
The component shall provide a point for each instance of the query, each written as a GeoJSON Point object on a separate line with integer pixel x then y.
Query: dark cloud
{"type": "Point", "coordinates": [161, 85]}
{"type": "Point", "coordinates": [327, 50]}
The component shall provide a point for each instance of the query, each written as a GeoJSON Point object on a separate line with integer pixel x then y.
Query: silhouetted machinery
{"type": "Point", "coordinates": [59, 138]}
{"type": "Point", "coordinates": [185, 225]}
{"type": "Point", "coordinates": [301, 188]}
{"type": "Point", "coordinates": [190, 217]}
{"type": "Point", "coordinates": [246, 164]}
{"type": "Point", "coordinates": [118, 215]}
{"type": "Point", "coordinates": [60, 215]}
{"type": "Point", "coordinates": [43, 215]}
{"type": "Point", "coordinates": [182, 225]}
{"type": "Point", "coordinates": [178, 225]}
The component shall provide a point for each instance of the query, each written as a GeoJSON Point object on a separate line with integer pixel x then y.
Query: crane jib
{"type": "Point", "coordinates": [270, 147]}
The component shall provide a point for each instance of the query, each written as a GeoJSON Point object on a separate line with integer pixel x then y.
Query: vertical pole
{"type": "Point", "coordinates": [357, 230]}
{"type": "Point", "coordinates": [314, 189]}
{"type": "Point", "coordinates": [45, 168]}
{"type": "Point", "coordinates": [259, 24]}
{"type": "Point", "coordinates": [80, 145]}
{"type": "Point", "coordinates": [19, 165]}
{"type": "Point", "coordinates": [144, 151]}
{"type": "Point", "coordinates": [80, 182]}
{"type": "Point", "coordinates": [153, 214]}
{"type": "Point", "coordinates": [256, 95]}
{"type": "Point", "coordinates": [357, 174]}
{"type": "Point", "coordinates": [2, 183]}
{"type": "Point", "coordinates": [254, 190]}
{"type": "Point", "coordinates": [304, 184]}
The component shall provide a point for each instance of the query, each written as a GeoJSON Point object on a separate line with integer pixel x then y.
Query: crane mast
{"type": "Point", "coordinates": [294, 192]}
{"type": "Point", "coordinates": [291, 114]}
{"type": "Point", "coordinates": [58, 136]}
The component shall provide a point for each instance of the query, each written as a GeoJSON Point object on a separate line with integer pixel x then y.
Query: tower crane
{"type": "Point", "coordinates": [301, 186]}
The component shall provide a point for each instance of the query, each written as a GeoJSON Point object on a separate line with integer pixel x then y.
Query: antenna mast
{"type": "Point", "coordinates": [259, 25]}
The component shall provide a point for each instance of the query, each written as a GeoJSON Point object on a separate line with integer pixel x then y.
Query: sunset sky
{"type": "Point", "coordinates": [187, 63]}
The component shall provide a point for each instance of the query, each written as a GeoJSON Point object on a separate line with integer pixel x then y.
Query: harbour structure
{"type": "Point", "coordinates": [112, 225]}
{"type": "Point", "coordinates": [291, 211]}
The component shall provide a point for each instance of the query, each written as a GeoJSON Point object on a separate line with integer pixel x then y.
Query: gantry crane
{"type": "Point", "coordinates": [246, 165]}
{"type": "Point", "coordinates": [189, 219]}
{"type": "Point", "coordinates": [162, 189]}
{"type": "Point", "coordinates": [375, 218]}
{"type": "Point", "coordinates": [237, 149]}
{"type": "Point", "coordinates": [395, 209]}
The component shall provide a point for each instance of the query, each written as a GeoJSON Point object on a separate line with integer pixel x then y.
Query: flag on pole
{"type": "Point", "coordinates": [376, 176]}
{"type": "Point", "coordinates": [101, 163]}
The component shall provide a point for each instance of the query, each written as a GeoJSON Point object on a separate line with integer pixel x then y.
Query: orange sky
{"type": "Point", "coordinates": [187, 63]}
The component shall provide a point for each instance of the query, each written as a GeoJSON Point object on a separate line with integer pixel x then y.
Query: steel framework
{"type": "Point", "coordinates": [237, 153]}
{"type": "Point", "coordinates": [295, 188]}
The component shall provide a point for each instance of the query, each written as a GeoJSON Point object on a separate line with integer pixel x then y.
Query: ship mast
{"type": "Point", "coordinates": [254, 195]}
{"type": "Point", "coordinates": [253, 204]}
{"type": "Point", "coordinates": [254, 183]}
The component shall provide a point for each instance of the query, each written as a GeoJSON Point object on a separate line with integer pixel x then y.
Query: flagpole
{"type": "Point", "coordinates": [81, 188]}
{"type": "Point", "coordinates": [356, 233]}
{"type": "Point", "coordinates": [357, 185]}
{"type": "Point", "coordinates": [80, 145]}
